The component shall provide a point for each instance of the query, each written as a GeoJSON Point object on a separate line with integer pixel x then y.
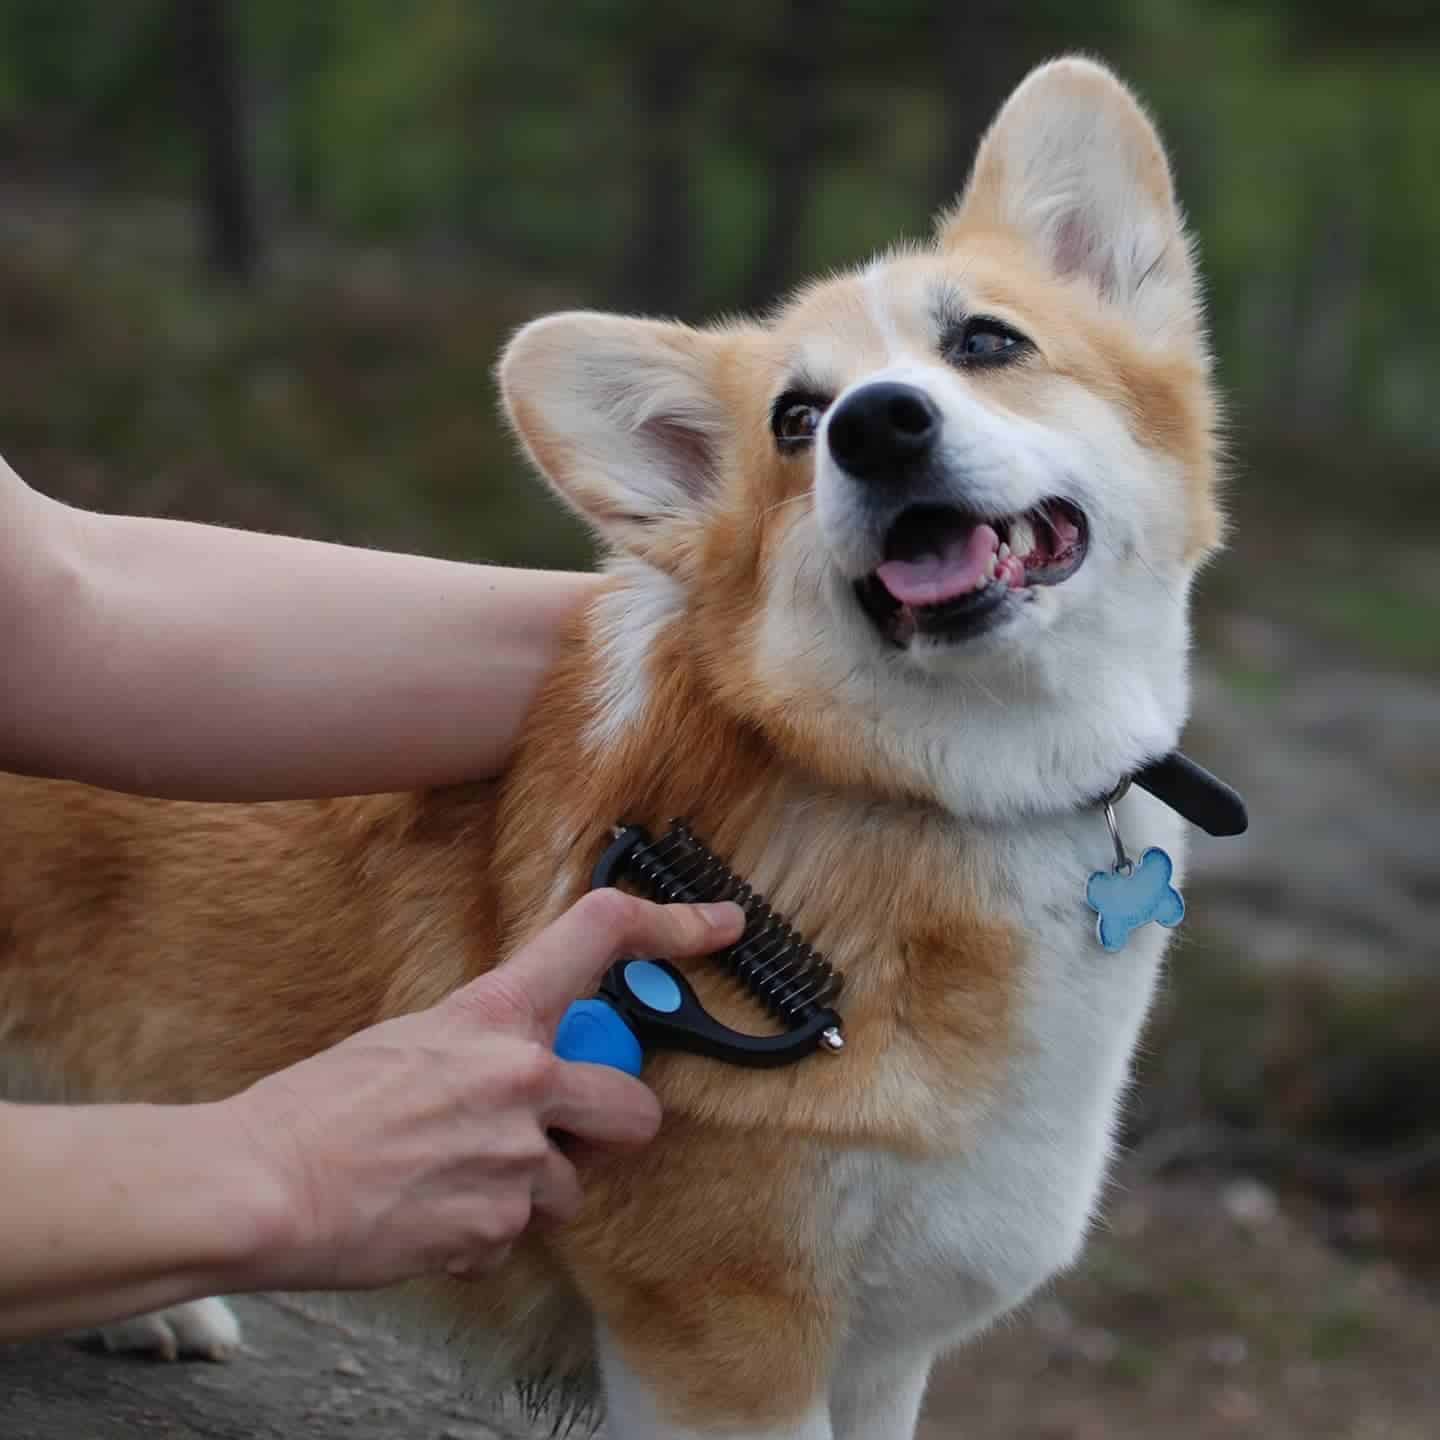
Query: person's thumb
{"type": "Point", "coordinates": [566, 959]}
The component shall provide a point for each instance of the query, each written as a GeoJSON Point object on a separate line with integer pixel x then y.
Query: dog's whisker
{"type": "Point", "coordinates": [781, 504]}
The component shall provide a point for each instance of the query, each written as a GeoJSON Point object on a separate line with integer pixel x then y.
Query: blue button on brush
{"type": "Point", "coordinates": [651, 986]}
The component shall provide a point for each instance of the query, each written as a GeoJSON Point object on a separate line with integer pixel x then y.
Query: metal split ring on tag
{"type": "Point", "coordinates": [1131, 893]}
{"type": "Point", "coordinates": [1124, 865]}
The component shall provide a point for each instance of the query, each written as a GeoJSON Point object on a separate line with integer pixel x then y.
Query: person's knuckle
{"type": "Point", "coordinates": [528, 1147]}
{"type": "Point", "coordinates": [532, 1071]}
{"type": "Point", "coordinates": [518, 1146]}
{"type": "Point", "coordinates": [532, 1153]}
{"type": "Point", "coordinates": [610, 912]}
{"type": "Point", "coordinates": [505, 1217]}
{"type": "Point", "coordinates": [494, 1000]}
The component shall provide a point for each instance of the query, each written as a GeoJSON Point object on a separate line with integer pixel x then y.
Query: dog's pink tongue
{"type": "Point", "coordinates": [932, 579]}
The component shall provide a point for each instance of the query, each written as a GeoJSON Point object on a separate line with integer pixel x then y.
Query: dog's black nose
{"type": "Point", "coordinates": [883, 428]}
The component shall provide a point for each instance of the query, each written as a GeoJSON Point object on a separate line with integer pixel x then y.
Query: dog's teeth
{"type": "Point", "coordinates": [1004, 551]}
{"type": "Point", "coordinates": [990, 565]}
{"type": "Point", "coordinates": [1022, 537]}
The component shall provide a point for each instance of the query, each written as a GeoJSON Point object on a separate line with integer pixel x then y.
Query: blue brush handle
{"type": "Point", "coordinates": [597, 1032]}
{"type": "Point", "coordinates": [593, 1032]}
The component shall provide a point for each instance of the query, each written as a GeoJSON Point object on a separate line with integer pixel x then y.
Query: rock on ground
{"type": "Point", "coordinates": [300, 1374]}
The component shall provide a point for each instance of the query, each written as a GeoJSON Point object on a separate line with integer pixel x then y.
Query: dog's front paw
{"type": "Point", "coordinates": [201, 1329]}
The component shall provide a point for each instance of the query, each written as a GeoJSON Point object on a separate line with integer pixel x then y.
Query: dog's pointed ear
{"type": "Point", "coordinates": [1075, 169]}
{"type": "Point", "coordinates": [621, 415]}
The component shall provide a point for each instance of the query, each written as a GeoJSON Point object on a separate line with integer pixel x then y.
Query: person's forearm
{"type": "Point", "coordinates": [106, 1212]}
{"type": "Point", "coordinates": [195, 662]}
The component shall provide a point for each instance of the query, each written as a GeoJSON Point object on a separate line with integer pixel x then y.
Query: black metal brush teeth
{"type": "Point", "coordinates": [646, 1004]}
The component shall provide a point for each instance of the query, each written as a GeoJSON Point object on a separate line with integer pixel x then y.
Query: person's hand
{"type": "Point", "coordinates": [425, 1143]}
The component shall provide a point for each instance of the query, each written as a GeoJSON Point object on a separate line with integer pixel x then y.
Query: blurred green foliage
{"type": "Point", "coordinates": [680, 158]}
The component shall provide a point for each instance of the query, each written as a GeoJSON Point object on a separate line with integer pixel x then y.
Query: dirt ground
{"type": "Point", "coordinates": [1203, 1312]}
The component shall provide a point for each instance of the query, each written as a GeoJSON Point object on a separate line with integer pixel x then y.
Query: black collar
{"type": "Point", "coordinates": [1194, 793]}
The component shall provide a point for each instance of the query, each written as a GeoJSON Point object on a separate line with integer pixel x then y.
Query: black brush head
{"type": "Point", "coordinates": [771, 960]}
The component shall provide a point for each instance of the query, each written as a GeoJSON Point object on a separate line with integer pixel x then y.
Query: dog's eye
{"type": "Point", "coordinates": [795, 418]}
{"type": "Point", "coordinates": [799, 422]}
{"type": "Point", "coordinates": [985, 342]}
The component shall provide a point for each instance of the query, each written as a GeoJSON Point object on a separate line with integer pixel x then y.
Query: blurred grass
{"type": "Point", "coordinates": [1351, 611]}
{"type": "Point", "coordinates": [352, 401]}
{"type": "Point", "coordinates": [1350, 567]}
{"type": "Point", "coordinates": [1398, 624]}
{"type": "Point", "coordinates": [1336, 1059]}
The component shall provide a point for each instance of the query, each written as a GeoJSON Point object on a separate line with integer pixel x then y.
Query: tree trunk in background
{"type": "Point", "coordinates": [793, 130]}
{"type": "Point", "coordinates": [660, 269]}
{"type": "Point", "coordinates": [984, 51]}
{"type": "Point", "coordinates": [227, 200]}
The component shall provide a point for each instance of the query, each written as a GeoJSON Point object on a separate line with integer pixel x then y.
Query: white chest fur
{"type": "Point", "coordinates": [948, 1245]}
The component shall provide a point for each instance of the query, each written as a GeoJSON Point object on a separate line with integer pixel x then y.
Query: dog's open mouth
{"type": "Point", "coordinates": [948, 574]}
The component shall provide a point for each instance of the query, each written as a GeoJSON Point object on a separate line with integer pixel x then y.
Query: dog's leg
{"type": "Point", "coordinates": [203, 1329]}
{"type": "Point", "coordinates": [874, 1401]}
{"type": "Point", "coordinates": [632, 1412]}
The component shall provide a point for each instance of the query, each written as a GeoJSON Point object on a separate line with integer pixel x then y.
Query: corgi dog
{"type": "Point", "coordinates": [898, 591]}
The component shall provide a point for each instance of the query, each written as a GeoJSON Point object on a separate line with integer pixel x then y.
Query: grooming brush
{"type": "Point", "coordinates": [647, 1004]}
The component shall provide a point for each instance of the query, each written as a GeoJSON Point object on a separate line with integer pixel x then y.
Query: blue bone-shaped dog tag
{"type": "Point", "coordinates": [1126, 901]}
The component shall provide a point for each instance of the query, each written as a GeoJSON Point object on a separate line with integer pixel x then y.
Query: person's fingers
{"type": "Point", "coordinates": [557, 1189]}
{"type": "Point", "coordinates": [601, 1106]}
{"type": "Point", "coordinates": [567, 958]}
